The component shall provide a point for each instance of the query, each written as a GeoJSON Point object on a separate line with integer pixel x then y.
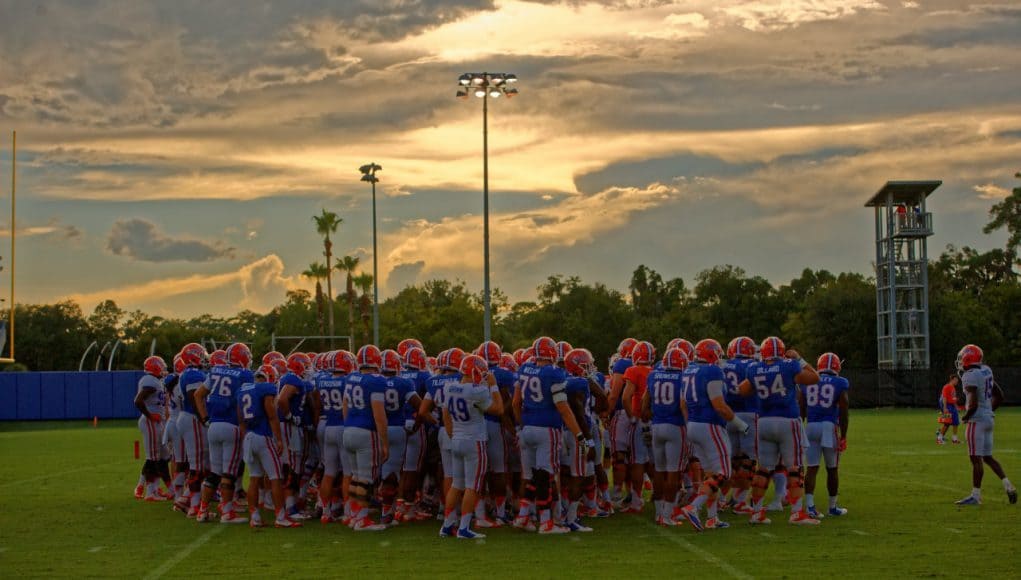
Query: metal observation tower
{"type": "Point", "coordinates": [902, 279]}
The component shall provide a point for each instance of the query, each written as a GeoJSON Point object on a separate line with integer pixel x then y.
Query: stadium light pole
{"type": "Point", "coordinates": [369, 174]}
{"type": "Point", "coordinates": [486, 86]}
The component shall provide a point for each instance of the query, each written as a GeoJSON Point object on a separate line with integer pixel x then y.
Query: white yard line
{"type": "Point", "coordinates": [706, 556]}
{"type": "Point", "coordinates": [178, 557]}
{"type": "Point", "coordinates": [860, 533]}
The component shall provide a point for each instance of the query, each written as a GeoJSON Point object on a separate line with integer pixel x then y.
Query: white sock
{"type": "Point", "coordinates": [780, 482]}
{"type": "Point", "coordinates": [810, 498]}
{"type": "Point", "coordinates": [572, 511]}
{"type": "Point", "coordinates": [1007, 485]}
{"type": "Point", "coordinates": [480, 509]}
{"type": "Point", "coordinates": [833, 502]}
{"type": "Point", "coordinates": [976, 493]}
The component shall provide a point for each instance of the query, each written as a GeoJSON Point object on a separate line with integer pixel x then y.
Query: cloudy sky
{"type": "Point", "coordinates": [171, 153]}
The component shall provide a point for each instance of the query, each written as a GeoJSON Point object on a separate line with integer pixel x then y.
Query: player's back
{"type": "Point", "coordinates": [297, 399]}
{"type": "Point", "coordinates": [191, 379]}
{"type": "Point", "coordinates": [666, 391]}
{"type": "Point", "coordinates": [538, 385]}
{"type": "Point", "coordinates": [735, 371]}
{"type": "Point", "coordinates": [638, 375]}
{"type": "Point", "coordinates": [821, 399]}
{"type": "Point", "coordinates": [981, 378]}
{"type": "Point", "coordinates": [467, 403]}
{"type": "Point", "coordinates": [360, 390]}
{"type": "Point", "coordinates": [253, 412]}
{"type": "Point", "coordinates": [331, 394]}
{"type": "Point", "coordinates": [698, 379]}
{"type": "Point", "coordinates": [397, 389]}
{"type": "Point", "coordinates": [775, 387]}
{"type": "Point", "coordinates": [154, 400]}
{"type": "Point", "coordinates": [224, 383]}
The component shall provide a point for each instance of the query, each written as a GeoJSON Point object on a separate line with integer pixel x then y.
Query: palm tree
{"type": "Point", "coordinates": [318, 271]}
{"type": "Point", "coordinates": [348, 265]}
{"type": "Point", "coordinates": [327, 223]}
{"type": "Point", "coordinates": [364, 283]}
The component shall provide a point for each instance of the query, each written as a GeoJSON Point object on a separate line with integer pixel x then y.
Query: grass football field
{"type": "Point", "coordinates": [67, 510]}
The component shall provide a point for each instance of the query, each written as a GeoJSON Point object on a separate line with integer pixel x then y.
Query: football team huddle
{"type": "Point", "coordinates": [540, 439]}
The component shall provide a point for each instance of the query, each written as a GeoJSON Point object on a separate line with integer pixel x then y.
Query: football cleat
{"type": "Point", "coordinates": [155, 498]}
{"type": "Point", "coordinates": [367, 525]}
{"type": "Point", "coordinates": [970, 500]}
{"type": "Point", "coordinates": [759, 518]}
{"type": "Point", "coordinates": [1012, 495]}
{"type": "Point", "coordinates": [256, 523]}
{"type": "Point", "coordinates": [743, 509]}
{"type": "Point", "coordinates": [775, 506]}
{"type": "Point", "coordinates": [139, 491]}
{"type": "Point", "coordinates": [955, 441]}
{"type": "Point", "coordinates": [232, 518]}
{"type": "Point", "coordinates": [192, 512]}
{"type": "Point", "coordinates": [550, 528]}
{"type": "Point", "coordinates": [203, 517]}
{"type": "Point", "coordinates": [577, 526]}
{"type": "Point", "coordinates": [716, 524]}
{"type": "Point", "coordinates": [286, 523]}
{"type": "Point", "coordinates": [803, 519]}
{"type": "Point", "coordinates": [836, 512]}
{"type": "Point", "coordinates": [812, 512]}
{"type": "Point", "coordinates": [665, 522]}
{"type": "Point", "coordinates": [448, 531]}
{"type": "Point", "coordinates": [691, 514]}
{"type": "Point", "coordinates": [466, 534]}
{"type": "Point", "coordinates": [486, 522]}
{"type": "Point", "coordinates": [327, 518]}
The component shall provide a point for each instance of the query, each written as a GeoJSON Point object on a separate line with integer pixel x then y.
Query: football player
{"type": "Point", "coordinates": [290, 405]}
{"type": "Point", "coordinates": [635, 378]}
{"type": "Point", "coordinates": [826, 410]}
{"type": "Point", "coordinates": [463, 419]}
{"type": "Point", "coordinates": [541, 408]}
{"type": "Point", "coordinates": [366, 441]}
{"type": "Point", "coordinates": [263, 444]}
{"type": "Point", "coordinates": [740, 354]}
{"type": "Point", "coordinates": [583, 387]}
{"type": "Point", "coordinates": [225, 436]}
{"type": "Point", "coordinates": [775, 381]}
{"type": "Point", "coordinates": [948, 416]}
{"type": "Point", "coordinates": [664, 401]}
{"type": "Point", "coordinates": [192, 426]}
{"type": "Point", "coordinates": [331, 393]}
{"type": "Point", "coordinates": [150, 402]}
{"type": "Point", "coordinates": [448, 362]}
{"type": "Point", "coordinates": [620, 427]}
{"type": "Point", "coordinates": [415, 362]}
{"type": "Point", "coordinates": [497, 445]}
{"type": "Point", "coordinates": [984, 396]}
{"type": "Point", "coordinates": [399, 393]}
{"type": "Point", "coordinates": [709, 418]}
{"type": "Point", "coordinates": [171, 435]}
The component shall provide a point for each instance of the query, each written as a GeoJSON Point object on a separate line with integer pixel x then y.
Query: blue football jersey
{"type": "Point", "coordinates": [775, 387]}
{"type": "Point", "coordinates": [296, 400]}
{"type": "Point", "coordinates": [539, 385]}
{"type": "Point", "coordinates": [699, 379]}
{"type": "Point", "coordinates": [361, 389]}
{"type": "Point", "coordinates": [224, 383]}
{"type": "Point", "coordinates": [504, 380]}
{"type": "Point", "coordinates": [735, 371]}
{"type": "Point", "coordinates": [619, 368]}
{"type": "Point", "coordinates": [435, 391]}
{"type": "Point", "coordinates": [395, 398]}
{"type": "Point", "coordinates": [821, 399]}
{"type": "Point", "coordinates": [251, 399]}
{"type": "Point", "coordinates": [579, 385]}
{"type": "Point", "coordinates": [331, 393]}
{"type": "Point", "coordinates": [191, 379]}
{"type": "Point", "coordinates": [666, 391]}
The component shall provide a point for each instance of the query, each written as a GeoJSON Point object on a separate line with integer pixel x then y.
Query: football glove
{"type": "Point", "coordinates": [738, 425]}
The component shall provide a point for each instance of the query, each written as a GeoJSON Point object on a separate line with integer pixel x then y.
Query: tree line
{"type": "Point", "coordinates": [974, 297]}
